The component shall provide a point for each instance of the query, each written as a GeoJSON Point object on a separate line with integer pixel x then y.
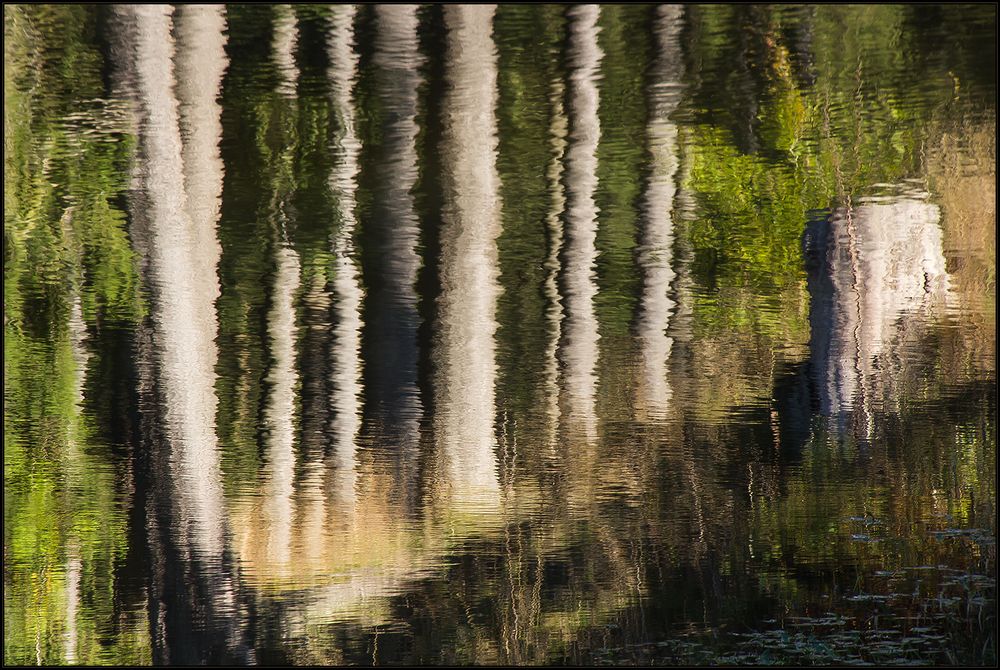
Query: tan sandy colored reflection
{"type": "Point", "coordinates": [962, 176]}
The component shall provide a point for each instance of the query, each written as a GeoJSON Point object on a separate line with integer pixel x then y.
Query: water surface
{"type": "Point", "coordinates": [499, 334]}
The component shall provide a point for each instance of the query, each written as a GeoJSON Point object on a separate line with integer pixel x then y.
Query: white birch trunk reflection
{"type": "Point", "coordinates": [284, 42]}
{"type": "Point", "coordinates": [184, 310]}
{"type": "Point", "coordinates": [553, 267]}
{"type": "Point", "coordinates": [201, 63]}
{"type": "Point", "coordinates": [580, 329]}
{"type": "Point", "coordinates": [656, 250]}
{"type": "Point", "coordinates": [329, 488]}
{"type": "Point", "coordinates": [466, 369]}
{"type": "Point", "coordinates": [280, 410]}
{"type": "Point", "coordinates": [74, 564]}
{"type": "Point", "coordinates": [74, 568]}
{"type": "Point", "coordinates": [347, 290]}
{"type": "Point", "coordinates": [181, 181]}
{"type": "Point", "coordinates": [880, 265]}
{"type": "Point", "coordinates": [282, 331]}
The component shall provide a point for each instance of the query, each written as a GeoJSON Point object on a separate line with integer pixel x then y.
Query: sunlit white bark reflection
{"type": "Point", "coordinates": [656, 250]}
{"type": "Point", "coordinates": [74, 561]}
{"type": "Point", "coordinates": [554, 313]}
{"type": "Point", "coordinates": [465, 350]}
{"type": "Point", "coordinates": [181, 184]}
{"type": "Point", "coordinates": [580, 328]}
{"type": "Point", "coordinates": [184, 312]}
{"type": "Point", "coordinates": [878, 268]}
{"type": "Point", "coordinates": [279, 411]}
{"type": "Point", "coordinates": [347, 291]}
{"type": "Point", "coordinates": [284, 42]}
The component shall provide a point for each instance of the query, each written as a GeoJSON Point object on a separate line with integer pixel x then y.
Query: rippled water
{"type": "Point", "coordinates": [515, 334]}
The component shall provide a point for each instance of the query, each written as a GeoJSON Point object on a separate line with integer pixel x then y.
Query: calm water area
{"type": "Point", "coordinates": [516, 334]}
